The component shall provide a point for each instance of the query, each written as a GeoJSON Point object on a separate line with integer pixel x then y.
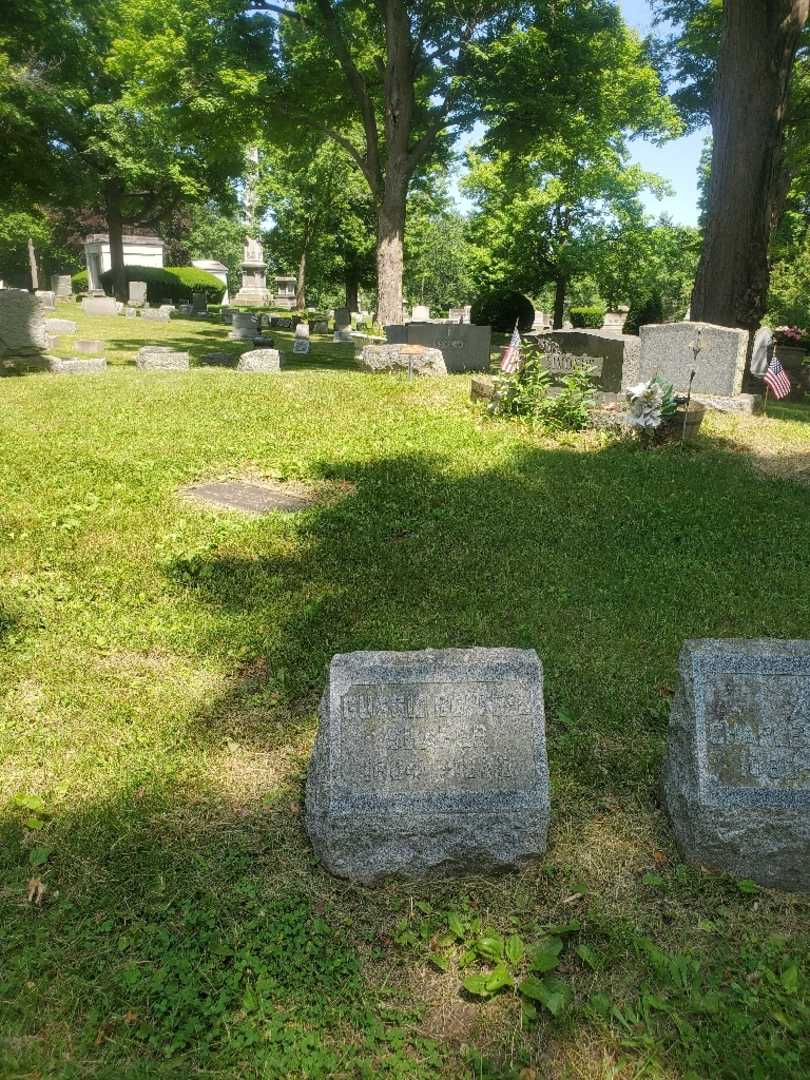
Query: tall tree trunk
{"type": "Point", "coordinates": [32, 262]}
{"type": "Point", "coordinates": [390, 234]}
{"type": "Point", "coordinates": [113, 193]}
{"type": "Point", "coordinates": [352, 293]}
{"type": "Point", "coordinates": [559, 301]}
{"type": "Point", "coordinates": [760, 38]}
{"type": "Point", "coordinates": [300, 285]}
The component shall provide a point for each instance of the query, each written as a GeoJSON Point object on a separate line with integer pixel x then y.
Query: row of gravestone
{"type": "Point", "coordinates": [435, 762]}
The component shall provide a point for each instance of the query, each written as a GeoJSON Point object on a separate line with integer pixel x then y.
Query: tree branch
{"type": "Point", "coordinates": [358, 86]}
{"type": "Point", "coordinates": [258, 5]}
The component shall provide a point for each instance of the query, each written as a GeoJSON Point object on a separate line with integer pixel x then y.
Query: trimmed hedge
{"type": "Point", "coordinates": [587, 317]}
{"type": "Point", "coordinates": [80, 282]}
{"type": "Point", "coordinates": [170, 283]}
{"type": "Point", "coordinates": [642, 313]}
{"type": "Point", "coordinates": [501, 310]}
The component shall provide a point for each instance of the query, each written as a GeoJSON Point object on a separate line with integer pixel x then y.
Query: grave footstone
{"type": "Point", "coordinates": [161, 358]}
{"type": "Point", "coordinates": [429, 762]}
{"type": "Point", "coordinates": [261, 361]}
{"type": "Point", "coordinates": [301, 346]}
{"type": "Point", "coordinates": [78, 365]}
{"type": "Point", "coordinates": [736, 780]}
{"type": "Point", "coordinates": [89, 345]}
{"type": "Point", "coordinates": [248, 496]}
{"type": "Point", "coordinates": [342, 336]}
{"type": "Point", "coordinates": [61, 326]}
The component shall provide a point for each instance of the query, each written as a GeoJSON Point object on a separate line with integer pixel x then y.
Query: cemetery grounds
{"type": "Point", "coordinates": [161, 914]}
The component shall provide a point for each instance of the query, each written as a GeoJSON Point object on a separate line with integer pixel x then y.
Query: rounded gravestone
{"type": "Point", "coordinates": [418, 359]}
{"type": "Point", "coordinates": [260, 360]}
{"type": "Point", "coordinates": [429, 762]}
{"type": "Point", "coordinates": [161, 358]}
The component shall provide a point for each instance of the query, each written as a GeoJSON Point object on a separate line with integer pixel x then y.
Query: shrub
{"type": "Point", "coordinates": [525, 392]}
{"type": "Point", "coordinates": [590, 317]}
{"type": "Point", "coordinates": [649, 310]}
{"type": "Point", "coordinates": [170, 283]}
{"type": "Point", "coordinates": [501, 310]}
{"type": "Point", "coordinates": [80, 282]}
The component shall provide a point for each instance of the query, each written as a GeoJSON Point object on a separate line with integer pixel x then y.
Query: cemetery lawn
{"type": "Point", "coordinates": [161, 914]}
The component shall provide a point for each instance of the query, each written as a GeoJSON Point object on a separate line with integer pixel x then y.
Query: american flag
{"type": "Point", "coordinates": [510, 361]}
{"type": "Point", "coordinates": [775, 378]}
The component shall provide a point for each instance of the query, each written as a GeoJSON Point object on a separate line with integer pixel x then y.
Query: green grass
{"type": "Point", "coordinates": [158, 693]}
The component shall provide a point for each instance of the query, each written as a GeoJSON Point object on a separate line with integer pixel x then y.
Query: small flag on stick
{"type": "Point", "coordinates": [775, 378]}
{"type": "Point", "coordinates": [510, 360]}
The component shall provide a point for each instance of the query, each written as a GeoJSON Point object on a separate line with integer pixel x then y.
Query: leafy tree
{"type": "Point", "coordinates": [438, 254]}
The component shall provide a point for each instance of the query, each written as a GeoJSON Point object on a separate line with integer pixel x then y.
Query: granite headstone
{"type": "Point", "coordinates": [413, 359]}
{"type": "Point", "coordinates": [267, 361]}
{"type": "Point", "coordinates": [100, 305]}
{"type": "Point", "coordinates": [429, 762]}
{"type": "Point", "coordinates": [464, 346]}
{"type": "Point", "coordinates": [666, 350]}
{"type": "Point", "coordinates": [736, 780]}
{"type": "Point", "coordinates": [161, 358]}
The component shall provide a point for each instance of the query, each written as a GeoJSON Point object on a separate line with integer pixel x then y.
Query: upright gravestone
{"type": "Point", "coordinates": [343, 318]}
{"type": "Point", "coordinates": [420, 313]}
{"type": "Point", "coordinates": [23, 335]}
{"type": "Point", "coordinates": [244, 326]}
{"type": "Point", "coordinates": [464, 346]}
{"type": "Point", "coordinates": [429, 761]}
{"type": "Point", "coordinates": [666, 350]}
{"type": "Point", "coordinates": [137, 292]}
{"type": "Point", "coordinates": [46, 298]}
{"type": "Point", "coordinates": [62, 286]}
{"type": "Point", "coordinates": [736, 780]}
{"type": "Point", "coordinates": [100, 305]}
{"type": "Point", "coordinates": [199, 302]}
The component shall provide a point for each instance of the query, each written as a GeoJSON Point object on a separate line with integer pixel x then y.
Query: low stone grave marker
{"type": "Point", "coordinates": [137, 292]}
{"type": "Point", "coordinates": [413, 359]}
{"type": "Point", "coordinates": [100, 305]}
{"type": "Point", "coordinates": [342, 336]}
{"type": "Point", "coordinates": [61, 326]}
{"type": "Point", "coordinates": [157, 314]}
{"type": "Point", "coordinates": [301, 346]}
{"type": "Point", "coordinates": [94, 346]}
{"type": "Point", "coordinates": [62, 286]}
{"type": "Point", "coordinates": [420, 313]}
{"type": "Point", "coordinates": [78, 365]}
{"type": "Point", "coordinates": [161, 358]}
{"type": "Point", "coordinates": [736, 780]}
{"type": "Point", "coordinates": [251, 497]}
{"type": "Point", "coordinates": [261, 361]}
{"type": "Point", "coordinates": [429, 761]}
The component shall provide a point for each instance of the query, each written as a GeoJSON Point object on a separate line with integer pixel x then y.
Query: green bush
{"type": "Point", "coordinates": [590, 318]}
{"type": "Point", "coordinates": [80, 282]}
{"type": "Point", "coordinates": [174, 284]}
{"type": "Point", "coordinates": [648, 310]}
{"type": "Point", "coordinates": [525, 392]}
{"type": "Point", "coordinates": [501, 310]}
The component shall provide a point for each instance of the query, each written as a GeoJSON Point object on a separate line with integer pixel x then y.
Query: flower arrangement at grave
{"type": "Point", "coordinates": [791, 336]}
{"type": "Point", "coordinates": [651, 407]}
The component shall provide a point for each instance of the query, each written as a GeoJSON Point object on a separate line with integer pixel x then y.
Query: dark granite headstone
{"type": "Point", "coordinates": [250, 497]}
{"type": "Point", "coordinates": [429, 761]}
{"type": "Point", "coordinates": [736, 777]}
{"type": "Point", "coordinates": [464, 346]}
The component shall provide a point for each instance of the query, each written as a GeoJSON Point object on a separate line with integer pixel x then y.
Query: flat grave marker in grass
{"type": "Point", "coordinates": [248, 496]}
{"type": "Point", "coordinates": [430, 761]}
{"type": "Point", "coordinates": [737, 772]}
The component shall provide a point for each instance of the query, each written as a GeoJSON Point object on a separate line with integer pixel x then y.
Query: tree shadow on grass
{"type": "Point", "coordinates": [603, 562]}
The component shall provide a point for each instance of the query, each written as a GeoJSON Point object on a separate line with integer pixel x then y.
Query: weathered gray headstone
{"type": "Point", "coordinates": [244, 326]}
{"type": "Point", "coordinates": [410, 358]}
{"type": "Point", "coordinates": [62, 286]}
{"type": "Point", "coordinates": [343, 318]}
{"type": "Point", "coordinates": [736, 780]}
{"type": "Point", "coordinates": [301, 346]}
{"type": "Point", "coordinates": [161, 358]}
{"type": "Point", "coordinates": [137, 292]}
{"type": "Point", "coordinates": [464, 346]}
{"type": "Point", "coordinates": [46, 298]}
{"type": "Point", "coordinates": [22, 327]}
{"type": "Point", "coordinates": [613, 321]}
{"type": "Point", "coordinates": [226, 314]}
{"type": "Point", "coordinates": [199, 301]}
{"type": "Point", "coordinates": [429, 762]}
{"type": "Point", "coordinates": [78, 365]}
{"type": "Point", "coordinates": [320, 326]}
{"type": "Point", "coordinates": [618, 354]}
{"type": "Point", "coordinates": [420, 313]}
{"type": "Point", "coordinates": [94, 346]}
{"type": "Point", "coordinates": [61, 326]}
{"type": "Point", "coordinates": [302, 330]}
{"type": "Point", "coordinates": [720, 366]}
{"type": "Point", "coordinates": [265, 361]}
{"type": "Point", "coordinates": [100, 305]}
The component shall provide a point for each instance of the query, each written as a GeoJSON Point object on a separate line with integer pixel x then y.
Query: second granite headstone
{"type": "Point", "coordinates": [429, 762]}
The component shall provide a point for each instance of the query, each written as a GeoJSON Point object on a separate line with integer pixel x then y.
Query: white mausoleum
{"type": "Point", "coordinates": [138, 251]}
